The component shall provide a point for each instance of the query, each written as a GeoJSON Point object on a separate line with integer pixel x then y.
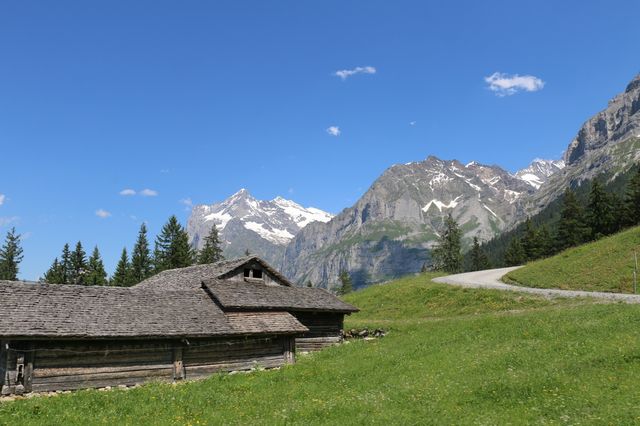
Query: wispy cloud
{"type": "Point", "coordinates": [128, 192]}
{"type": "Point", "coordinates": [334, 130]}
{"type": "Point", "coordinates": [344, 74]}
{"type": "Point", "coordinates": [102, 214]}
{"type": "Point", "coordinates": [503, 84]}
{"type": "Point", "coordinates": [186, 201]}
{"type": "Point", "coordinates": [2, 198]}
{"type": "Point", "coordinates": [148, 192]}
{"type": "Point", "coordinates": [8, 220]}
{"type": "Point", "coordinates": [412, 123]}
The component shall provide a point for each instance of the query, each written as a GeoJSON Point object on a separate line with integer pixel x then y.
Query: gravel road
{"type": "Point", "coordinates": [490, 278]}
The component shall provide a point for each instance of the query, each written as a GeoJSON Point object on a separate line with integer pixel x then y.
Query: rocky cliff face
{"type": "Point", "coordinates": [244, 223]}
{"type": "Point", "coordinates": [608, 142]}
{"type": "Point", "coordinates": [387, 232]}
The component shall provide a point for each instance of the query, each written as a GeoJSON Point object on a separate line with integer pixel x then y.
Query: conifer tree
{"type": "Point", "coordinates": [211, 251]}
{"type": "Point", "coordinates": [172, 247]}
{"type": "Point", "coordinates": [141, 261]}
{"type": "Point", "coordinates": [122, 275]}
{"type": "Point", "coordinates": [600, 217]}
{"type": "Point", "coordinates": [572, 229]}
{"type": "Point", "coordinates": [479, 259]}
{"type": "Point", "coordinates": [447, 255]}
{"type": "Point", "coordinates": [632, 201]}
{"type": "Point", "coordinates": [545, 242]}
{"type": "Point", "coordinates": [10, 256]}
{"type": "Point", "coordinates": [530, 242]}
{"type": "Point", "coordinates": [309, 284]}
{"type": "Point", "coordinates": [78, 265]}
{"type": "Point", "coordinates": [515, 254]}
{"type": "Point", "coordinates": [96, 275]}
{"type": "Point", "coordinates": [346, 285]}
{"type": "Point", "coordinates": [65, 263]}
{"type": "Point", "coordinates": [55, 274]}
{"type": "Point", "coordinates": [247, 253]}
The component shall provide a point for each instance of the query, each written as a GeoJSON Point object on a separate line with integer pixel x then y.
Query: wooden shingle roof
{"type": "Point", "coordinates": [192, 276]}
{"type": "Point", "coordinates": [70, 311]}
{"type": "Point", "coordinates": [256, 296]}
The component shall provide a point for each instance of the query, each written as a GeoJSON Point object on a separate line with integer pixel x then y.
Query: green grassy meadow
{"type": "Point", "coordinates": [604, 265]}
{"type": "Point", "coordinates": [451, 356]}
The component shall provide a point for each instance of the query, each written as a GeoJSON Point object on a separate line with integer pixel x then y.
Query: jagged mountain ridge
{"type": "Point", "coordinates": [263, 227]}
{"type": "Point", "coordinates": [388, 231]}
{"type": "Point", "coordinates": [609, 142]}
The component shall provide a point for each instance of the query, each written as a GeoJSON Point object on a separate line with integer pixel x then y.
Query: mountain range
{"type": "Point", "coordinates": [388, 232]}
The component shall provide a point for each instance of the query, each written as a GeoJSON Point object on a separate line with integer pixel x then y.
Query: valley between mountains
{"type": "Point", "coordinates": [388, 232]}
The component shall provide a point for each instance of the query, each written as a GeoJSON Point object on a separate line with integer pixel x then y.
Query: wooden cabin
{"type": "Point", "coordinates": [180, 324]}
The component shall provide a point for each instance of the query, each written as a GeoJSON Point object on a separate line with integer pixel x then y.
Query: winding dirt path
{"type": "Point", "coordinates": [490, 279]}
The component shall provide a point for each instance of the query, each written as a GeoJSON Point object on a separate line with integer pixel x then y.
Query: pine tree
{"type": "Point", "coordinates": [141, 261]}
{"type": "Point", "coordinates": [78, 265]}
{"type": "Point", "coordinates": [247, 253]}
{"type": "Point", "coordinates": [96, 275]}
{"type": "Point", "coordinates": [65, 263]}
{"type": "Point", "coordinates": [479, 259]}
{"type": "Point", "coordinates": [55, 274]}
{"type": "Point", "coordinates": [10, 256]}
{"type": "Point", "coordinates": [545, 242]}
{"type": "Point", "coordinates": [600, 217]}
{"type": "Point", "coordinates": [122, 275]}
{"type": "Point", "coordinates": [309, 284]}
{"type": "Point", "coordinates": [446, 254]}
{"type": "Point", "coordinates": [211, 251]}
{"type": "Point", "coordinates": [346, 285]}
{"type": "Point", "coordinates": [515, 254]}
{"type": "Point", "coordinates": [530, 242]}
{"type": "Point", "coordinates": [172, 247]}
{"type": "Point", "coordinates": [632, 201]}
{"type": "Point", "coordinates": [572, 229]}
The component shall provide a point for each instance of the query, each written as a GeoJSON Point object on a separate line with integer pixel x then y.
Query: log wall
{"type": "Point", "coordinates": [44, 366]}
{"type": "Point", "coordinates": [325, 329]}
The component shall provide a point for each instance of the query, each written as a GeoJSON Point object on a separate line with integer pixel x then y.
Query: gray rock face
{"type": "Point", "coordinates": [262, 227]}
{"type": "Point", "coordinates": [388, 231]}
{"type": "Point", "coordinates": [607, 142]}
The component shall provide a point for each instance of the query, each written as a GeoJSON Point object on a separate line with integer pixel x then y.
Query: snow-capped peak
{"type": "Point", "coordinates": [539, 171]}
{"type": "Point", "coordinates": [276, 221]}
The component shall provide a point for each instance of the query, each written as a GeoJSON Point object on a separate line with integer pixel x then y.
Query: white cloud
{"type": "Point", "coordinates": [334, 130]}
{"type": "Point", "coordinates": [412, 123]}
{"type": "Point", "coordinates": [2, 198]}
{"type": "Point", "coordinates": [344, 74]}
{"type": "Point", "coordinates": [102, 214]}
{"type": "Point", "coordinates": [148, 192]}
{"type": "Point", "coordinates": [8, 220]}
{"type": "Point", "coordinates": [510, 84]}
{"type": "Point", "coordinates": [187, 202]}
{"type": "Point", "coordinates": [128, 192]}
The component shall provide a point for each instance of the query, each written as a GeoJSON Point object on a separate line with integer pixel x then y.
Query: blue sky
{"type": "Point", "coordinates": [196, 99]}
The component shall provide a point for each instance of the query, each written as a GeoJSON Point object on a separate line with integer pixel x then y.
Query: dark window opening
{"type": "Point", "coordinates": [257, 273]}
{"type": "Point", "coordinates": [247, 273]}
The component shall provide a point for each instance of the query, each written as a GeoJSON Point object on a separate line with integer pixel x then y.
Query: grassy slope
{"type": "Point", "coordinates": [452, 356]}
{"type": "Point", "coordinates": [604, 265]}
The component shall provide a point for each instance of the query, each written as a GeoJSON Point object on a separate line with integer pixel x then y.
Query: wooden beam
{"type": "Point", "coordinates": [178, 365]}
{"type": "Point", "coordinates": [4, 379]}
{"type": "Point", "coordinates": [289, 350]}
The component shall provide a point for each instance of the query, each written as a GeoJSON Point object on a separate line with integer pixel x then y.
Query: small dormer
{"type": "Point", "coordinates": [253, 273]}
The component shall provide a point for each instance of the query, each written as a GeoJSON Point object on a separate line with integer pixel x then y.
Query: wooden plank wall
{"type": "Point", "coordinates": [202, 358]}
{"type": "Point", "coordinates": [325, 329]}
{"type": "Point", "coordinates": [46, 366]}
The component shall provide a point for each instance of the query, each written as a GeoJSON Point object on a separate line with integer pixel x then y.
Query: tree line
{"type": "Point", "coordinates": [603, 213]}
{"type": "Point", "coordinates": [171, 250]}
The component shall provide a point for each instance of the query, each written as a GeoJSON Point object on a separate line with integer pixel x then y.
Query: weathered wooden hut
{"type": "Point", "coordinates": [180, 324]}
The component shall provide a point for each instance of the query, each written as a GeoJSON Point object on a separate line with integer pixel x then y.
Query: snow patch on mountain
{"type": "Point", "coordinates": [539, 171]}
